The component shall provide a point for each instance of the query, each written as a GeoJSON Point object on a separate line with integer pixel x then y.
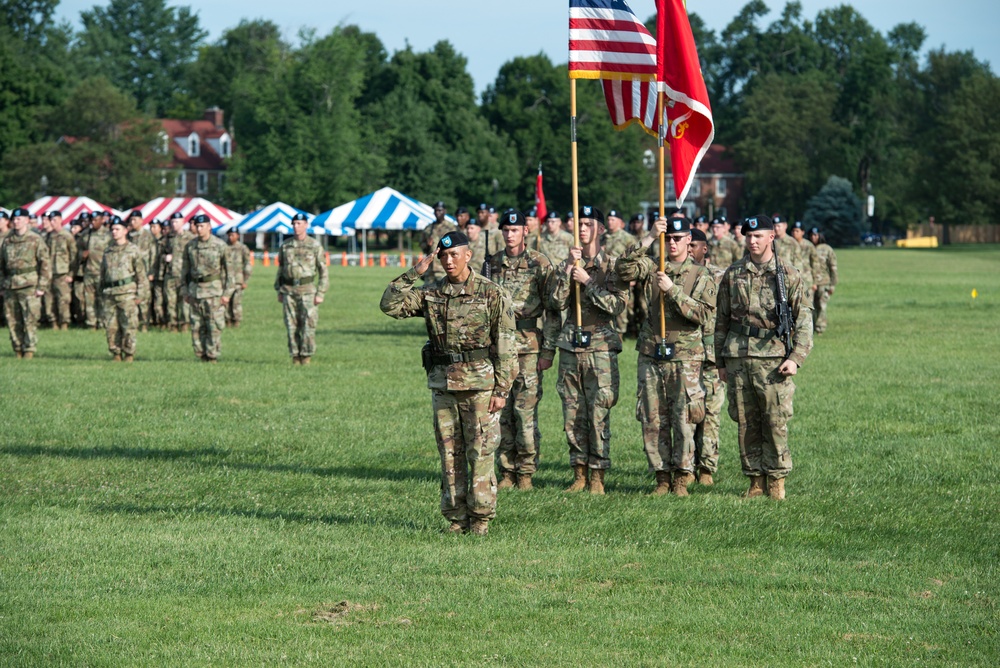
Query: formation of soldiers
{"type": "Point", "coordinates": [717, 312]}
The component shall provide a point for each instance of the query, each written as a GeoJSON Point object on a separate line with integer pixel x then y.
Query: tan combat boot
{"type": "Point", "coordinates": [597, 482]}
{"type": "Point", "coordinates": [681, 482]}
{"type": "Point", "coordinates": [172, 328]}
{"type": "Point", "coordinates": [184, 329]}
{"type": "Point", "coordinates": [457, 526]}
{"type": "Point", "coordinates": [305, 360]}
{"type": "Point", "coordinates": [19, 354]}
{"type": "Point", "coordinates": [507, 480]}
{"type": "Point", "coordinates": [776, 488]}
{"type": "Point", "coordinates": [705, 478]}
{"type": "Point", "coordinates": [479, 526]}
{"type": "Point", "coordinates": [116, 358]}
{"type": "Point", "coordinates": [579, 478]}
{"type": "Point", "coordinates": [662, 483]}
{"type": "Point", "coordinates": [65, 326]}
{"type": "Point", "coordinates": [524, 482]}
{"type": "Point", "coordinates": [756, 487]}
{"type": "Point", "coordinates": [29, 355]}
{"type": "Point", "coordinates": [129, 358]}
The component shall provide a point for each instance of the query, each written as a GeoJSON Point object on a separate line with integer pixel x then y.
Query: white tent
{"type": "Point", "coordinates": [70, 207]}
{"type": "Point", "coordinates": [275, 218]}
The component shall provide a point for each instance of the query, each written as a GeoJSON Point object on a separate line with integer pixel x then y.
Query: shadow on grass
{"type": "Point", "coordinates": [218, 458]}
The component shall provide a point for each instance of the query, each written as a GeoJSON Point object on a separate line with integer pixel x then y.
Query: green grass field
{"type": "Point", "coordinates": [255, 513]}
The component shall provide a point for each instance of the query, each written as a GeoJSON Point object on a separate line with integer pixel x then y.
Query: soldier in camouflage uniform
{"type": "Point", "coordinates": [4, 231]}
{"type": "Point", "coordinates": [526, 275]}
{"type": "Point", "coordinates": [670, 397]}
{"type": "Point", "coordinates": [301, 284]}
{"type": "Point", "coordinates": [484, 244]}
{"type": "Point", "coordinates": [615, 242]}
{"type": "Point", "coordinates": [429, 238]}
{"type": "Point", "coordinates": [62, 248]}
{"type": "Point", "coordinates": [722, 248]}
{"type": "Point", "coordinates": [240, 262]}
{"type": "Point", "coordinates": [531, 229]}
{"type": "Point", "coordinates": [207, 282]}
{"type": "Point", "coordinates": [25, 273]}
{"type": "Point", "coordinates": [79, 230]}
{"type": "Point", "coordinates": [470, 364]}
{"type": "Point", "coordinates": [808, 264]}
{"type": "Point", "coordinates": [787, 249]}
{"type": "Point", "coordinates": [757, 367]}
{"type": "Point", "coordinates": [92, 245]}
{"type": "Point", "coordinates": [125, 284]}
{"type": "Point", "coordinates": [825, 278]}
{"type": "Point", "coordinates": [554, 242]}
{"type": "Point", "coordinates": [143, 238]}
{"type": "Point", "coordinates": [157, 309]}
{"type": "Point", "coordinates": [588, 355]}
{"type": "Point", "coordinates": [169, 268]}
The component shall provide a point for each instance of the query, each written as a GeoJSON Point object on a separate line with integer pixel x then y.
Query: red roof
{"type": "Point", "coordinates": [205, 130]}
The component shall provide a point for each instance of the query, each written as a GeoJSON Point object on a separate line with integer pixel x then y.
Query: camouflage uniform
{"type": "Point", "coordinates": [588, 377]}
{"type": "Point", "coordinates": [615, 244]}
{"type": "Point", "coordinates": [144, 240]}
{"type": "Point", "coordinates": [94, 243]}
{"type": "Point", "coordinates": [479, 247]}
{"type": "Point", "coordinates": [760, 399]}
{"type": "Point", "coordinates": [555, 246]}
{"type": "Point", "coordinates": [788, 250]}
{"type": "Point", "coordinates": [670, 396]}
{"type": "Point", "coordinates": [169, 270]}
{"type": "Point", "coordinates": [724, 251]}
{"type": "Point", "coordinates": [527, 279]}
{"type": "Point", "coordinates": [302, 277]}
{"type": "Point", "coordinates": [124, 282]}
{"type": "Point", "coordinates": [62, 248]}
{"type": "Point", "coordinates": [706, 435]}
{"type": "Point", "coordinates": [78, 307]}
{"type": "Point", "coordinates": [239, 262]}
{"type": "Point", "coordinates": [471, 323]}
{"type": "Point", "coordinates": [206, 279]}
{"type": "Point", "coordinates": [25, 268]}
{"type": "Point", "coordinates": [429, 238]}
{"type": "Point", "coordinates": [826, 280]}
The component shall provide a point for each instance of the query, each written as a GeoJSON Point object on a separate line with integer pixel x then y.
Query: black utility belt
{"type": "Point", "coordinates": [118, 284]}
{"type": "Point", "coordinates": [208, 278]}
{"type": "Point", "coordinates": [464, 356]}
{"type": "Point", "coordinates": [526, 323]}
{"type": "Point", "coordinates": [296, 281]}
{"type": "Point", "coordinates": [755, 332]}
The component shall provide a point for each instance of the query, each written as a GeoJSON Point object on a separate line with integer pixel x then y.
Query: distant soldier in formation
{"type": "Point", "coordinates": [722, 247]}
{"type": "Point", "coordinates": [753, 360]}
{"type": "Point", "coordinates": [157, 308]}
{"type": "Point", "coordinates": [207, 285]}
{"type": "Point", "coordinates": [429, 238]}
{"type": "Point", "coordinates": [462, 218]}
{"type": "Point", "coordinates": [25, 272]}
{"type": "Point", "coordinates": [788, 249]}
{"type": "Point", "coordinates": [62, 249]}
{"type": "Point", "coordinates": [4, 231]}
{"type": "Point", "coordinates": [79, 229]}
{"type": "Point", "coordinates": [125, 287]}
{"type": "Point", "coordinates": [526, 275]}
{"type": "Point", "coordinates": [808, 260]}
{"type": "Point", "coordinates": [169, 270]}
{"type": "Point", "coordinates": [92, 245]}
{"type": "Point", "coordinates": [301, 284]}
{"type": "Point", "coordinates": [637, 226]}
{"type": "Point", "coordinates": [825, 278]}
{"type": "Point", "coordinates": [239, 262]}
{"type": "Point", "coordinates": [531, 230]}
{"type": "Point", "coordinates": [142, 237]}
{"type": "Point", "coordinates": [615, 242]}
{"type": "Point", "coordinates": [588, 356]}
{"type": "Point", "coordinates": [701, 224]}
{"type": "Point", "coordinates": [671, 397]}
{"type": "Point", "coordinates": [484, 244]}
{"type": "Point", "coordinates": [470, 364]}
{"type": "Point", "coordinates": [554, 242]}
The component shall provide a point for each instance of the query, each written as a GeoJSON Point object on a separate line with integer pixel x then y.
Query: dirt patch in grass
{"type": "Point", "coordinates": [344, 612]}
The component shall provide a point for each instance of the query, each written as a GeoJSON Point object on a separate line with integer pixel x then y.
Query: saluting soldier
{"type": "Point", "coordinates": [301, 284]}
{"type": "Point", "coordinates": [25, 272]}
{"type": "Point", "coordinates": [125, 284]}
{"type": "Point", "coordinates": [554, 242]}
{"type": "Point", "coordinates": [470, 368]}
{"type": "Point", "coordinates": [208, 285]}
{"type": "Point", "coordinates": [429, 238]}
{"type": "Point", "coordinates": [526, 275]}
{"type": "Point", "coordinates": [588, 355]}
{"type": "Point", "coordinates": [62, 248]}
{"type": "Point", "coordinates": [92, 245]}
{"type": "Point", "coordinates": [753, 359]}
{"type": "Point", "coordinates": [826, 277]}
{"type": "Point", "coordinates": [671, 397]}
{"type": "Point", "coordinates": [240, 262]}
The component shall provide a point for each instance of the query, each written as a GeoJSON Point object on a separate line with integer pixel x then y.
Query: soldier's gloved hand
{"type": "Point", "coordinates": [788, 368]}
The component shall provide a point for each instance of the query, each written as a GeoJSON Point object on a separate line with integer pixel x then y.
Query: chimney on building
{"type": "Point", "coordinates": [214, 115]}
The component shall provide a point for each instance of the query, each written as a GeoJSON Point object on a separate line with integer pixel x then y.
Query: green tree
{"type": "Point", "coordinates": [836, 210]}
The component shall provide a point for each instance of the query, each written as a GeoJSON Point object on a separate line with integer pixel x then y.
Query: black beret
{"type": "Point", "coordinates": [115, 220]}
{"type": "Point", "coordinates": [701, 219]}
{"type": "Point", "coordinates": [614, 213]}
{"type": "Point", "coordinates": [638, 216]}
{"type": "Point", "coordinates": [552, 215]}
{"type": "Point", "coordinates": [678, 224]}
{"type": "Point", "coordinates": [156, 221]}
{"type": "Point", "coordinates": [55, 212]}
{"type": "Point", "coordinates": [814, 230]}
{"type": "Point", "coordinates": [439, 205]}
{"type": "Point", "coordinates": [778, 218]}
{"type": "Point", "coordinates": [3, 214]}
{"type": "Point", "coordinates": [587, 211]}
{"type": "Point", "coordinates": [200, 219]}
{"type": "Point", "coordinates": [798, 225]}
{"type": "Point", "coordinates": [136, 213]}
{"type": "Point", "coordinates": [176, 214]}
{"type": "Point", "coordinates": [452, 240]}
{"type": "Point", "coordinates": [492, 210]}
{"type": "Point", "coordinates": [19, 212]}
{"type": "Point", "coordinates": [78, 221]}
{"type": "Point", "coordinates": [512, 217]}
{"type": "Point", "coordinates": [719, 221]}
{"type": "Point", "coordinates": [86, 215]}
{"type": "Point", "coordinates": [300, 216]}
{"type": "Point", "coordinates": [698, 235]}
{"type": "Point", "coordinates": [483, 207]}
{"type": "Point", "coordinates": [233, 230]}
{"type": "Point", "coordinates": [533, 212]}
{"type": "Point", "coordinates": [760, 222]}
{"type": "Point", "coordinates": [101, 212]}
{"type": "Point", "coordinates": [461, 209]}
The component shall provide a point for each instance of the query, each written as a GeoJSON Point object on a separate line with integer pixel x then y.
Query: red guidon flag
{"type": "Point", "coordinates": [688, 113]}
{"type": "Point", "coordinates": [540, 196]}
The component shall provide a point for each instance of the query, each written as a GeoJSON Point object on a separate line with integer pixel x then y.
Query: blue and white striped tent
{"type": "Point", "coordinates": [276, 218]}
{"type": "Point", "coordinates": [384, 209]}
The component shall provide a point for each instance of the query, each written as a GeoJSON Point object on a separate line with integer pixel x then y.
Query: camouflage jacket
{"type": "Point", "coordinates": [688, 305]}
{"type": "Point", "coordinates": [205, 270]}
{"type": "Point", "coordinates": [808, 262]}
{"type": "Point", "coordinates": [724, 251]}
{"type": "Point", "coordinates": [170, 255]}
{"type": "Point", "coordinates": [471, 317]}
{"type": "Point", "coordinates": [527, 279]}
{"type": "Point", "coordinates": [708, 329]}
{"type": "Point", "coordinates": [826, 266]}
{"type": "Point", "coordinates": [93, 243]}
{"type": "Point", "coordinates": [748, 297]}
{"type": "Point", "coordinates": [123, 271]}
{"type": "Point", "coordinates": [616, 243]}
{"type": "Point", "coordinates": [25, 262]}
{"type": "Point", "coordinates": [480, 251]}
{"type": "Point", "coordinates": [601, 300]}
{"type": "Point", "coordinates": [239, 262]}
{"type": "Point", "coordinates": [62, 249]}
{"type": "Point", "coordinates": [429, 238]}
{"type": "Point", "coordinates": [555, 246]}
{"type": "Point", "coordinates": [302, 268]}
{"type": "Point", "coordinates": [788, 250]}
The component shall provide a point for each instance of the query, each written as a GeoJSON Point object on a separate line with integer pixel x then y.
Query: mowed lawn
{"type": "Point", "coordinates": [255, 513]}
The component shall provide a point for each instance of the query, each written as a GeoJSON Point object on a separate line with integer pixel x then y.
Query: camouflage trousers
{"type": "Point", "coordinates": [588, 387]}
{"type": "Point", "coordinates": [22, 310]}
{"type": "Point", "coordinates": [760, 401]}
{"type": "Point", "coordinates": [77, 307]}
{"type": "Point", "coordinates": [57, 301]}
{"type": "Point", "coordinates": [621, 320]}
{"type": "Point", "coordinates": [301, 317]}
{"type": "Point", "coordinates": [177, 310]}
{"type": "Point", "coordinates": [123, 323]}
{"type": "Point", "coordinates": [208, 319]}
{"type": "Point", "coordinates": [467, 438]}
{"type": "Point", "coordinates": [158, 305]}
{"type": "Point", "coordinates": [821, 299]}
{"type": "Point", "coordinates": [670, 404]}
{"type": "Point", "coordinates": [518, 421]}
{"type": "Point", "coordinates": [93, 302]}
{"type": "Point", "coordinates": [706, 435]}
{"type": "Point", "coordinates": [234, 309]}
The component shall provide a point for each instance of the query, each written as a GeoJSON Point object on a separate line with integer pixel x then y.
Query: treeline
{"type": "Point", "coordinates": [328, 118]}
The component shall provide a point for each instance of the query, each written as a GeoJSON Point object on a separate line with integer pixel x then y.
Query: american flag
{"type": "Point", "coordinates": [607, 41]}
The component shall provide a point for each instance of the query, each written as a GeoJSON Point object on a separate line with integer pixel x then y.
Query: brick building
{"type": "Point", "coordinates": [199, 153]}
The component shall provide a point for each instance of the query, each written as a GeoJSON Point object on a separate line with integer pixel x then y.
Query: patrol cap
{"type": "Point", "coordinates": [552, 215]}
{"type": "Point", "coordinates": [201, 219]}
{"type": "Point", "coordinates": [176, 214]}
{"type": "Point", "coordinates": [461, 209]}
{"type": "Point", "coordinates": [19, 212]}
{"type": "Point", "coordinates": [512, 217]}
{"type": "Point", "coordinates": [115, 220]}
{"type": "Point", "coordinates": [798, 225]}
{"type": "Point", "coordinates": [300, 216]}
{"type": "Point", "coordinates": [588, 211]}
{"type": "Point", "coordinates": [483, 207]}
{"type": "Point", "coordinates": [698, 235]}
{"type": "Point", "coordinates": [758, 223]}
{"type": "Point", "coordinates": [136, 213]}
{"type": "Point", "coordinates": [679, 225]}
{"type": "Point", "coordinates": [452, 240]}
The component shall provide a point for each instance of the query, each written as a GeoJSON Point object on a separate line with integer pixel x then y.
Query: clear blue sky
{"type": "Point", "coordinates": [490, 33]}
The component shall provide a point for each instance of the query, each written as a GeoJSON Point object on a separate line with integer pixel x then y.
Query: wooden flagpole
{"type": "Point", "coordinates": [661, 134]}
{"type": "Point", "coordinates": [576, 198]}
